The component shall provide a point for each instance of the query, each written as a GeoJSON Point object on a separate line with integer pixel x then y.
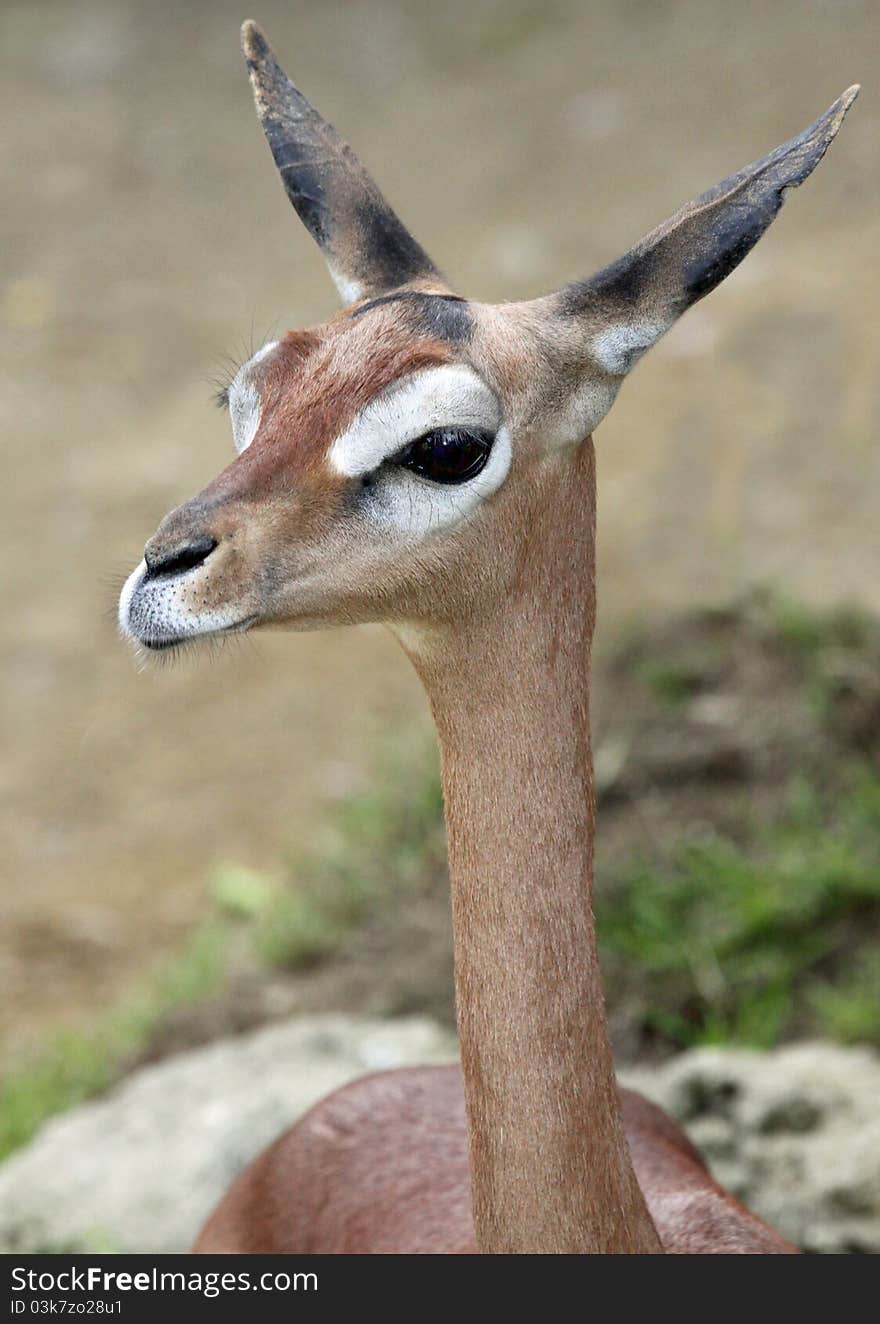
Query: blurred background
{"type": "Point", "coordinates": [216, 843]}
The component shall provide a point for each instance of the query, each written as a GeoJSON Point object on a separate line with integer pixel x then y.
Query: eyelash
{"type": "Point", "coordinates": [227, 370]}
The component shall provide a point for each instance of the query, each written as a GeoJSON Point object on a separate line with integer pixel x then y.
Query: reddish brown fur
{"type": "Point", "coordinates": [312, 386]}
{"type": "Point", "coordinates": [537, 1151]}
{"type": "Point", "coordinates": [276, 507]}
{"type": "Point", "coordinates": [381, 1167]}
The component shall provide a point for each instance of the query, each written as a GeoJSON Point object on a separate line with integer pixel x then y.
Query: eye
{"type": "Point", "coordinates": [447, 455]}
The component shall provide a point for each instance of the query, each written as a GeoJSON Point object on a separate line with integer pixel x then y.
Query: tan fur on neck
{"type": "Point", "coordinates": [509, 692]}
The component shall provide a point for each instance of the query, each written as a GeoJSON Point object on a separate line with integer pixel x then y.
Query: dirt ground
{"type": "Point", "coordinates": [144, 236]}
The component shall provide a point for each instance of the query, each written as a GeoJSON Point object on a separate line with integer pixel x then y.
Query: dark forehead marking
{"type": "Point", "coordinates": [397, 295]}
{"type": "Point", "coordinates": [445, 316]}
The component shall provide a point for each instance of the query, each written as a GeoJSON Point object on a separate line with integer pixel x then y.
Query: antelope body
{"type": "Point", "coordinates": [427, 461]}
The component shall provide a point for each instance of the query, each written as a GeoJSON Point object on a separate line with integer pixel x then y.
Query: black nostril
{"type": "Point", "coordinates": [175, 560]}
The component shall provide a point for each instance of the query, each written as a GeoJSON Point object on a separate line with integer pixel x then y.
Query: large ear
{"type": "Point", "coordinates": [367, 248]}
{"type": "Point", "coordinates": [628, 306]}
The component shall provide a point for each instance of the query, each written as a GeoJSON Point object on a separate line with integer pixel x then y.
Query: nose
{"type": "Point", "coordinates": [173, 558]}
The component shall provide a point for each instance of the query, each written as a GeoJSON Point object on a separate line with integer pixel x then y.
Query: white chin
{"type": "Point", "coordinates": [129, 589]}
{"type": "Point", "coordinates": [153, 615]}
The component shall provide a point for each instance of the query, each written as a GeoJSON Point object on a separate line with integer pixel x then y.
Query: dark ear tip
{"type": "Point", "coordinates": [792, 163]}
{"type": "Point", "coordinates": [836, 114]}
{"type": "Point", "coordinates": [253, 43]}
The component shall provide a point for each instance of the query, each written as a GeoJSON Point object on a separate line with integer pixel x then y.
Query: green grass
{"type": "Point", "coordinates": [849, 1010]}
{"type": "Point", "coordinates": [381, 841]}
{"type": "Point", "coordinates": [378, 842]}
{"type": "Point", "coordinates": [806, 633]}
{"type": "Point", "coordinates": [77, 1065]}
{"type": "Point", "coordinates": [822, 645]}
{"type": "Point", "coordinates": [709, 940]}
{"type": "Point", "coordinates": [673, 681]}
{"type": "Point", "coordinates": [720, 942]}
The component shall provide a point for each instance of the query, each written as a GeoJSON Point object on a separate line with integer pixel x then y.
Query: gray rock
{"type": "Point", "coordinates": [796, 1133]}
{"type": "Point", "coordinates": [140, 1169]}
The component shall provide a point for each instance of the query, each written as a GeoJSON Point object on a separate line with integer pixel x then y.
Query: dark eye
{"type": "Point", "coordinates": [448, 455]}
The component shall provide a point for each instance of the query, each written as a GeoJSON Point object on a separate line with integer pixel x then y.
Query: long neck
{"type": "Point", "coordinates": [550, 1167]}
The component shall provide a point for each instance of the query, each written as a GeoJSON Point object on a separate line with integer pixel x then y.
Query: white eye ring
{"type": "Point", "coordinates": [400, 500]}
{"type": "Point", "coordinates": [245, 411]}
{"type": "Point", "coordinates": [245, 404]}
{"type": "Point", "coordinates": [396, 497]}
{"type": "Point", "coordinates": [448, 396]}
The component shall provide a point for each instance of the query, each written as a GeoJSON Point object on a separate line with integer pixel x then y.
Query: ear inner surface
{"type": "Point", "coordinates": [367, 248]}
